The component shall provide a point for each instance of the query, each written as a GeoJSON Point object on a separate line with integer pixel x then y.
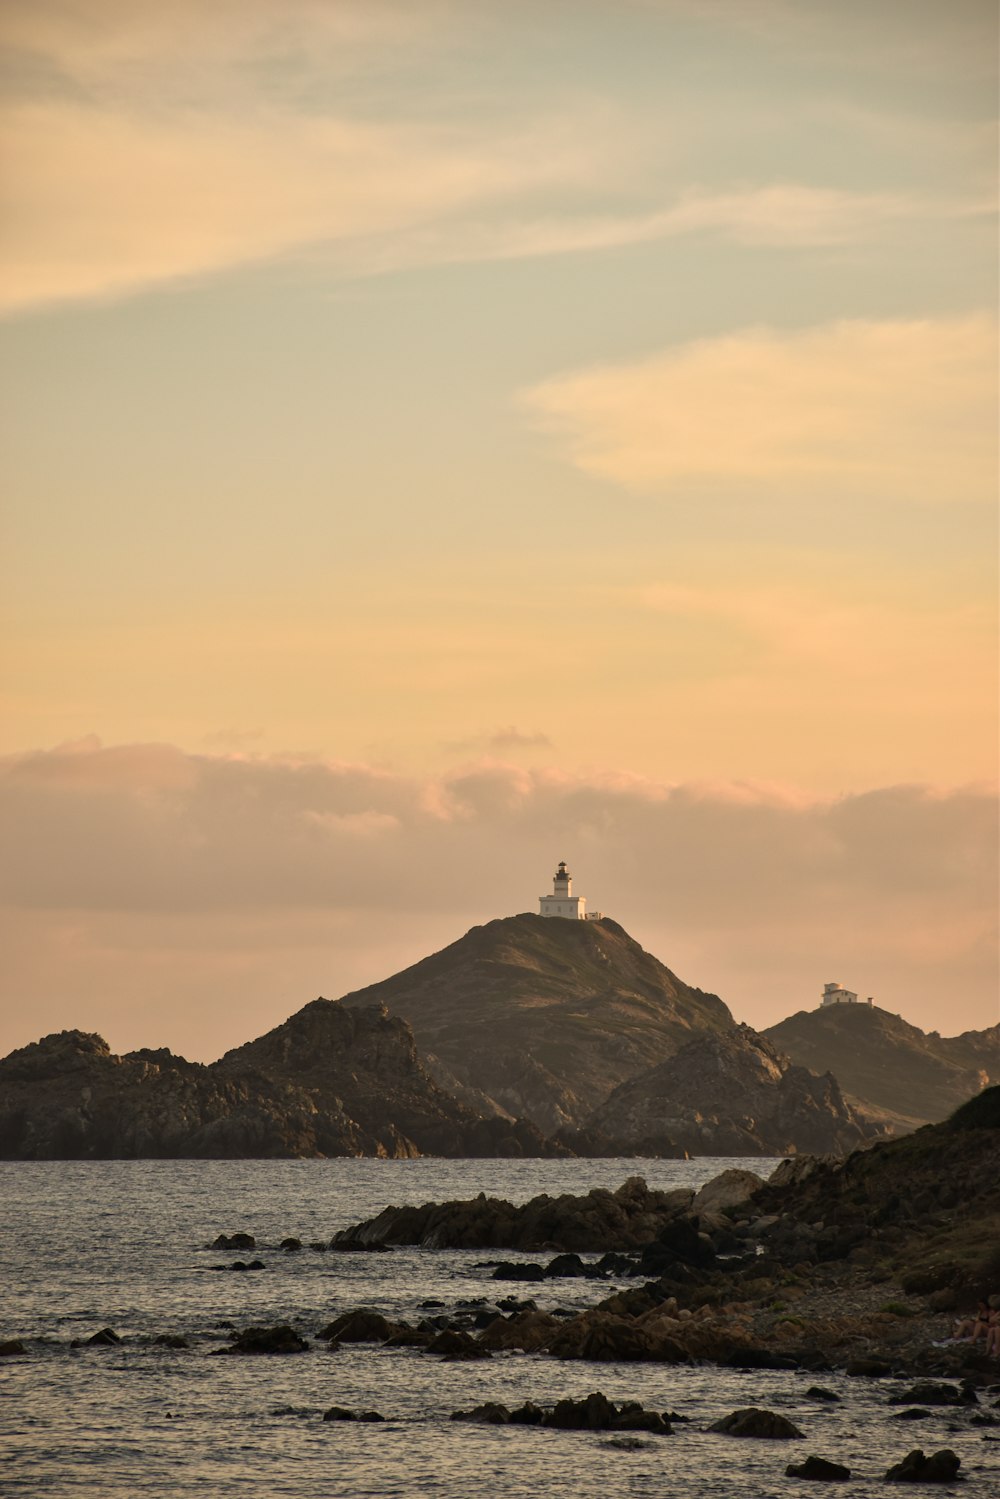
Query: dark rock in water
{"type": "Point", "coordinates": [914, 1414]}
{"type": "Point", "coordinates": [594, 1413]}
{"type": "Point", "coordinates": [605, 1339]}
{"type": "Point", "coordinates": [757, 1358]}
{"type": "Point", "coordinates": [361, 1326]}
{"type": "Point", "coordinates": [767, 1425]}
{"type": "Point", "coordinates": [234, 1241]}
{"type": "Point", "coordinates": [635, 1418]}
{"type": "Point", "coordinates": [818, 1468]}
{"type": "Point", "coordinates": [528, 1330]}
{"type": "Point", "coordinates": [597, 1413]}
{"type": "Point", "coordinates": [570, 1266]}
{"type": "Point", "coordinates": [457, 1346]}
{"type": "Point", "coordinates": [927, 1392]}
{"type": "Point", "coordinates": [940, 1467]}
{"type": "Point", "coordinates": [817, 1392]}
{"type": "Point", "coordinates": [490, 1414]}
{"type": "Point", "coordinates": [290, 1245]}
{"type": "Point", "coordinates": [253, 1265]}
{"type": "Point", "coordinates": [253, 1340]}
{"type": "Point", "coordinates": [106, 1338]}
{"type": "Point", "coordinates": [507, 1270]}
{"type": "Point", "coordinates": [171, 1340]}
{"type": "Point", "coordinates": [341, 1413]}
{"type": "Point", "coordinates": [355, 1246]}
{"type": "Point", "coordinates": [528, 1414]}
{"type": "Point", "coordinates": [408, 1337]}
{"type": "Point", "coordinates": [11, 1348]}
{"type": "Point", "coordinates": [867, 1368]}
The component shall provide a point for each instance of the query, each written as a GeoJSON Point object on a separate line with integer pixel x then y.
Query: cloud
{"type": "Point", "coordinates": [153, 144]}
{"type": "Point", "coordinates": [897, 409]}
{"type": "Point", "coordinates": [506, 740]}
{"type": "Point", "coordinates": [105, 203]}
{"type": "Point", "coordinates": [149, 877]}
{"type": "Point", "coordinates": [513, 738]}
{"type": "Point", "coordinates": [785, 215]}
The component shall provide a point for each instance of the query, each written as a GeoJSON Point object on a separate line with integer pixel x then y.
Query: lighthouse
{"type": "Point", "coordinates": [562, 901]}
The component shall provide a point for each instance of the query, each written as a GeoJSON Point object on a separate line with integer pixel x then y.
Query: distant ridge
{"type": "Point", "coordinates": [893, 1070]}
{"type": "Point", "coordinates": [544, 1016]}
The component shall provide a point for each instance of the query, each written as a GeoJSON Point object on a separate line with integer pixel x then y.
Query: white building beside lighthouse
{"type": "Point", "coordinates": [836, 994]}
{"type": "Point", "coordinates": [562, 902]}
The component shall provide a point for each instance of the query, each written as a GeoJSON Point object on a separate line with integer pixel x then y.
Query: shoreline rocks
{"type": "Point", "coordinates": [601, 1220]}
{"type": "Point", "coordinates": [595, 1412]}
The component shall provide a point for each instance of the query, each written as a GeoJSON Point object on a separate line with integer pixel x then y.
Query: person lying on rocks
{"type": "Point", "coordinates": [971, 1328]}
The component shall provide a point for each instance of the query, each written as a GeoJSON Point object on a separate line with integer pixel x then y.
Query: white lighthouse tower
{"type": "Point", "coordinates": [562, 901]}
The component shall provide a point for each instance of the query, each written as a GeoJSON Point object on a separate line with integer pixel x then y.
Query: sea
{"type": "Point", "coordinates": [124, 1244]}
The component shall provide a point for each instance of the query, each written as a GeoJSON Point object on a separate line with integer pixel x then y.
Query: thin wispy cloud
{"type": "Point", "coordinates": [902, 410]}
{"type": "Point", "coordinates": [150, 146]}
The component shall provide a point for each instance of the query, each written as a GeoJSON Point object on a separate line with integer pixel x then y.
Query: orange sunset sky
{"type": "Point", "coordinates": [448, 436]}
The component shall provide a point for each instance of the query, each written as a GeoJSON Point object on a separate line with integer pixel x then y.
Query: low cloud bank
{"type": "Point", "coordinates": [182, 899]}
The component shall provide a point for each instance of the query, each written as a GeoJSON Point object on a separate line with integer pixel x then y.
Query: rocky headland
{"type": "Point", "coordinates": [328, 1082]}
{"type": "Point", "coordinates": [891, 1070]}
{"type": "Point", "coordinates": [726, 1093]}
{"type": "Point", "coordinates": [544, 1017]}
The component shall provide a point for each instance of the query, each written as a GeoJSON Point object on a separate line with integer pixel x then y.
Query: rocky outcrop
{"type": "Point", "coordinates": [328, 1082]}
{"type": "Point", "coordinates": [940, 1467]}
{"type": "Point", "coordinates": [855, 1264]}
{"type": "Point", "coordinates": [595, 1412]}
{"type": "Point", "coordinates": [751, 1422]}
{"type": "Point", "coordinates": [887, 1067]}
{"type": "Point", "coordinates": [601, 1220]}
{"type": "Point", "coordinates": [544, 1017]}
{"type": "Point", "coordinates": [818, 1470]}
{"type": "Point", "coordinates": [728, 1093]}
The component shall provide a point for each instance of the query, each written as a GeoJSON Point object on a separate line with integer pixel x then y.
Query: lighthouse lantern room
{"type": "Point", "coordinates": [562, 901]}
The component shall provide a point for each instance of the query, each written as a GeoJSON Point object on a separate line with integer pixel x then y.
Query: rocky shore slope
{"type": "Point", "coordinates": [859, 1264]}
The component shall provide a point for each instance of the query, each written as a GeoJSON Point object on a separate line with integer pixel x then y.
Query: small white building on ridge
{"type": "Point", "coordinates": [562, 902]}
{"type": "Point", "coordinates": [836, 994]}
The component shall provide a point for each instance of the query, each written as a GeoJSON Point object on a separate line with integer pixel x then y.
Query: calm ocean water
{"type": "Point", "coordinates": [122, 1244]}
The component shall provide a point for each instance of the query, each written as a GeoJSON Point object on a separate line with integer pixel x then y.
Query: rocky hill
{"type": "Point", "coordinates": [890, 1068]}
{"type": "Point", "coordinates": [726, 1094]}
{"type": "Point", "coordinates": [545, 1017]}
{"type": "Point", "coordinates": [328, 1082]}
{"type": "Point", "coordinates": [524, 1026]}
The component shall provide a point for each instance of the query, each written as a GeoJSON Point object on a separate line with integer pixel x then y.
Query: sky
{"type": "Point", "coordinates": [445, 437]}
